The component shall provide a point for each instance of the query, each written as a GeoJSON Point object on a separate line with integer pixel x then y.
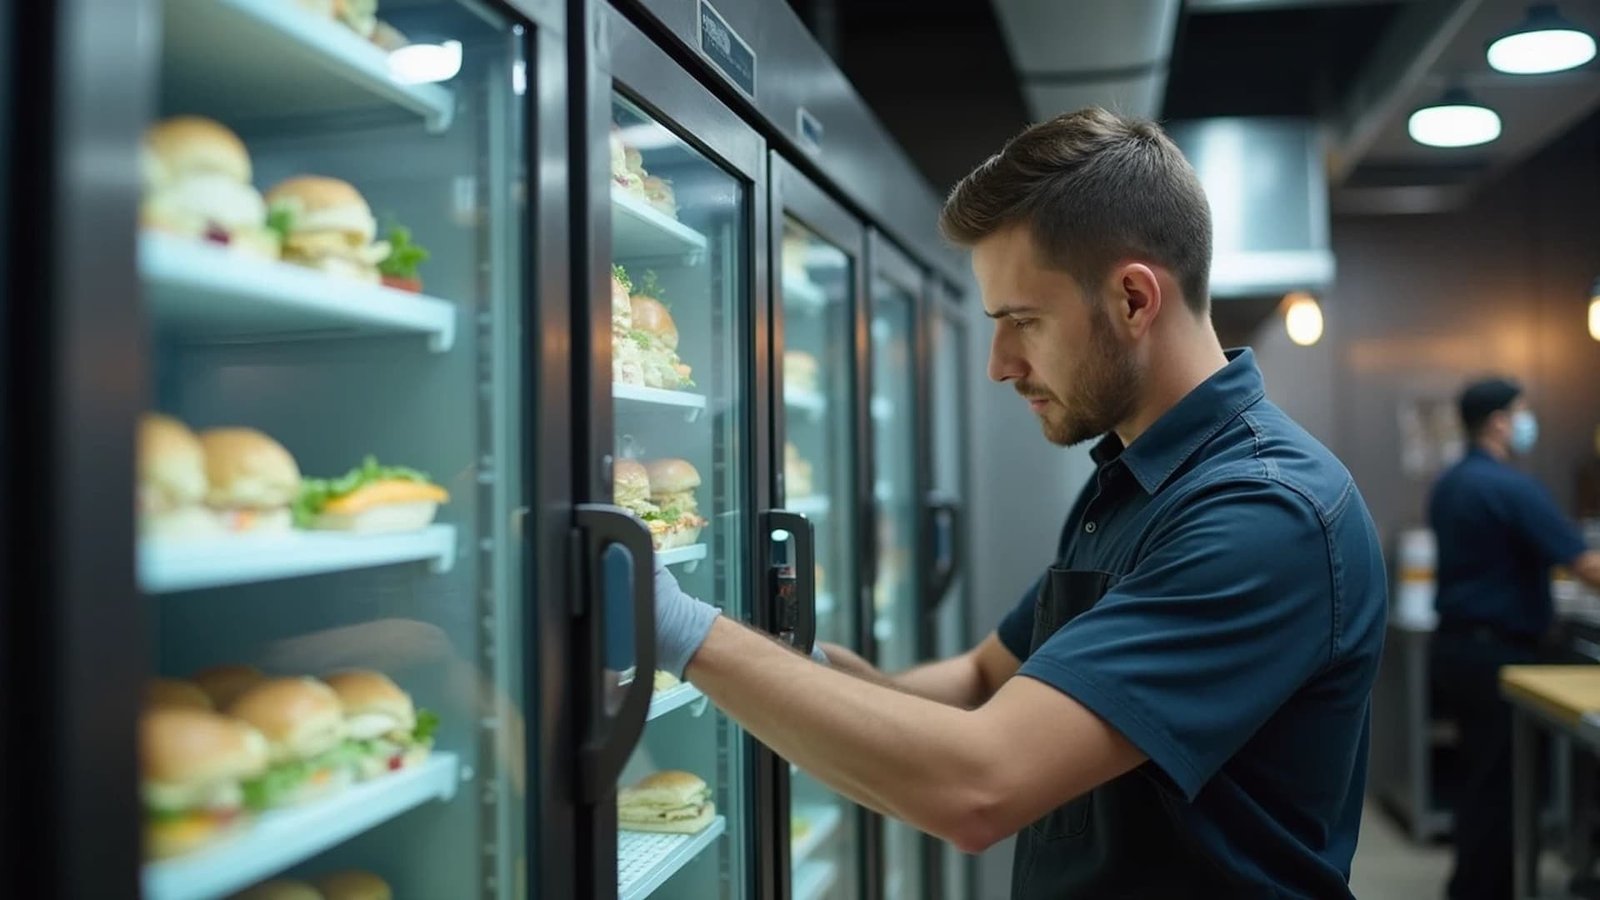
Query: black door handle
{"type": "Point", "coordinates": [943, 517]}
{"type": "Point", "coordinates": [792, 586]}
{"type": "Point", "coordinates": [606, 751]}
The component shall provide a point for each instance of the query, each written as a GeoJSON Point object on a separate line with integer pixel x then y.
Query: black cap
{"type": "Point", "coordinates": [1482, 399]}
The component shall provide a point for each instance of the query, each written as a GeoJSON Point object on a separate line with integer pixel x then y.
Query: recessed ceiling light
{"type": "Point", "coordinates": [1456, 120]}
{"type": "Point", "coordinates": [1544, 42]}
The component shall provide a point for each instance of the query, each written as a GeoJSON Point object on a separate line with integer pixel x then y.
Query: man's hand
{"type": "Point", "coordinates": [682, 623]}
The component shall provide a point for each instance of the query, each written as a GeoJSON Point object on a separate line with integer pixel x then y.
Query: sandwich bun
{"type": "Point", "coordinates": [280, 889]}
{"type": "Point", "coordinates": [373, 704]}
{"type": "Point", "coordinates": [300, 717]}
{"type": "Point", "coordinates": [172, 463]}
{"type": "Point", "coordinates": [630, 483]}
{"type": "Point", "coordinates": [181, 748]}
{"type": "Point", "coordinates": [319, 203]}
{"type": "Point", "coordinates": [669, 802]}
{"type": "Point", "coordinates": [691, 825]}
{"type": "Point", "coordinates": [650, 315]}
{"type": "Point", "coordinates": [246, 469]}
{"type": "Point", "coordinates": [667, 788]}
{"type": "Point", "coordinates": [184, 146]}
{"type": "Point", "coordinates": [173, 693]}
{"type": "Point", "coordinates": [354, 884]}
{"type": "Point", "coordinates": [224, 684]}
{"type": "Point", "coordinates": [671, 476]}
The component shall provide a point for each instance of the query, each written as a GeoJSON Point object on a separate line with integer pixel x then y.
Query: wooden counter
{"type": "Point", "coordinates": [1562, 693]}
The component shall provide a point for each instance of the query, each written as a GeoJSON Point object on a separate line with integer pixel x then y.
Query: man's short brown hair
{"type": "Point", "coordinates": [1093, 188]}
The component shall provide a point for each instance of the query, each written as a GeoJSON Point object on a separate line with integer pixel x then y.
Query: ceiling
{"type": "Point", "coordinates": [952, 79]}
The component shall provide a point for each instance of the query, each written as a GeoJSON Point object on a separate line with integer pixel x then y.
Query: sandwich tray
{"type": "Point", "coordinates": [202, 293]}
{"type": "Point", "coordinates": [640, 231]}
{"type": "Point", "coordinates": [169, 565]}
{"type": "Point", "coordinates": [813, 880]}
{"type": "Point", "coordinates": [645, 860]}
{"type": "Point", "coordinates": [680, 555]}
{"type": "Point", "coordinates": [824, 822]}
{"type": "Point", "coordinates": [639, 398]}
{"type": "Point", "coordinates": [673, 698]}
{"type": "Point", "coordinates": [280, 839]}
{"type": "Point", "coordinates": [805, 401]}
{"type": "Point", "coordinates": [813, 505]}
{"type": "Point", "coordinates": [260, 60]}
{"type": "Point", "coordinates": [802, 293]}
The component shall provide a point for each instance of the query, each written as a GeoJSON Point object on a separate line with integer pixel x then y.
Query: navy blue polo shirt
{"type": "Point", "coordinates": [1238, 643]}
{"type": "Point", "coordinates": [1499, 533]}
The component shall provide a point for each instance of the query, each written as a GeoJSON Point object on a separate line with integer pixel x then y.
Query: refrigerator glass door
{"type": "Point", "coordinates": [817, 286]}
{"type": "Point", "coordinates": [894, 595]}
{"type": "Point", "coordinates": [350, 350]}
{"type": "Point", "coordinates": [680, 351]}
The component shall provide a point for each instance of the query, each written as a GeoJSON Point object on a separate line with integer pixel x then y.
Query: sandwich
{"type": "Point", "coordinates": [354, 884]}
{"type": "Point", "coordinates": [676, 521]}
{"type": "Point", "coordinates": [625, 366]}
{"type": "Point", "coordinates": [369, 499]}
{"type": "Point", "coordinates": [173, 693]}
{"type": "Point", "coordinates": [659, 192]}
{"type": "Point", "coordinates": [796, 472]}
{"type": "Point", "coordinates": [622, 175]}
{"type": "Point", "coordinates": [672, 802]}
{"type": "Point", "coordinates": [224, 684]}
{"type": "Point", "coordinates": [327, 225]}
{"type": "Point", "coordinates": [304, 727]}
{"type": "Point", "coordinates": [172, 480]}
{"type": "Point", "coordinates": [388, 38]}
{"type": "Point", "coordinates": [652, 343]}
{"type": "Point", "coordinates": [630, 487]}
{"type": "Point", "coordinates": [382, 727]}
{"type": "Point", "coordinates": [280, 889]}
{"type": "Point", "coordinates": [197, 185]}
{"type": "Point", "coordinates": [191, 764]}
{"type": "Point", "coordinates": [251, 480]}
{"type": "Point", "coordinates": [800, 371]}
{"type": "Point", "coordinates": [360, 15]}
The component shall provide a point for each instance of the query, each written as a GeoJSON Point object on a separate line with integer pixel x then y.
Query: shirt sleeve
{"type": "Point", "coordinates": [1542, 524]}
{"type": "Point", "coordinates": [1016, 629]}
{"type": "Point", "coordinates": [1227, 613]}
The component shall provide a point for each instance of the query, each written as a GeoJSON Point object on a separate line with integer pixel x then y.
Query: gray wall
{"type": "Point", "coordinates": [1423, 304]}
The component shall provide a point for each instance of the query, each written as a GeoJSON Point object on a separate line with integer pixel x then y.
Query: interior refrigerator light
{"type": "Point", "coordinates": [1302, 318]}
{"type": "Point", "coordinates": [1456, 120]}
{"type": "Point", "coordinates": [1543, 42]}
{"type": "Point", "coordinates": [1594, 310]}
{"type": "Point", "coordinates": [426, 63]}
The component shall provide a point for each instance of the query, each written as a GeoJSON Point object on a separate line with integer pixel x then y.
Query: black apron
{"type": "Point", "coordinates": [1124, 839]}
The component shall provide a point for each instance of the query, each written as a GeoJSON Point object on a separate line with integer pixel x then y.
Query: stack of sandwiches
{"type": "Point", "coordinates": [671, 802]}
{"type": "Point", "coordinates": [628, 173]}
{"type": "Point", "coordinates": [644, 339]}
{"type": "Point", "coordinates": [662, 494]}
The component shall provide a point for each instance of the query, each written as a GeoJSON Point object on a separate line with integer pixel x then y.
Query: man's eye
{"type": "Point", "coordinates": [1023, 324]}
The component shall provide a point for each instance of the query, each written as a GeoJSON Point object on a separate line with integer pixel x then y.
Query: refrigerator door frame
{"type": "Point", "coordinates": [73, 640]}
{"type": "Point", "coordinates": [609, 52]}
{"type": "Point", "coordinates": [794, 194]}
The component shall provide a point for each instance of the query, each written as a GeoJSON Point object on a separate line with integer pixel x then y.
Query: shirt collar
{"type": "Point", "coordinates": [1183, 429]}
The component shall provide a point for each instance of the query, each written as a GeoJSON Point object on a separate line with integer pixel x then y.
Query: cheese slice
{"type": "Point", "coordinates": [379, 493]}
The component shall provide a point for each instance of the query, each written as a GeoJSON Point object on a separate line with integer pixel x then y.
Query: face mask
{"type": "Point", "coordinates": [1524, 432]}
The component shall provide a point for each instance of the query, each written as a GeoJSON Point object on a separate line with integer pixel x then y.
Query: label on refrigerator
{"type": "Point", "coordinates": [726, 50]}
{"type": "Point", "coordinates": [808, 130]}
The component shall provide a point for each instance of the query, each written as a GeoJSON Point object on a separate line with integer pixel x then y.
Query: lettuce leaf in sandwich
{"type": "Point", "coordinates": [358, 490]}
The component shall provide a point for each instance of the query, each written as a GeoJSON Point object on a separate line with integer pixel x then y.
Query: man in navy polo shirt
{"type": "Point", "coordinates": [1499, 533]}
{"type": "Point", "coordinates": [1179, 706]}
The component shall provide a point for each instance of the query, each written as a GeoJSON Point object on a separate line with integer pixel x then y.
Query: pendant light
{"type": "Point", "coordinates": [1594, 310]}
{"type": "Point", "coordinates": [1543, 42]}
{"type": "Point", "coordinates": [1302, 318]}
{"type": "Point", "coordinates": [1454, 120]}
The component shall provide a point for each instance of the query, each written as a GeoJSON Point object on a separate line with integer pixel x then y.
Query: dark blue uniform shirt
{"type": "Point", "coordinates": [1238, 644]}
{"type": "Point", "coordinates": [1499, 533]}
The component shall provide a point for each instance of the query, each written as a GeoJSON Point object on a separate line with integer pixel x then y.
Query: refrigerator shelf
{"type": "Point", "coordinates": [638, 398]}
{"type": "Point", "coordinates": [640, 231]}
{"type": "Point", "coordinates": [690, 555]}
{"type": "Point", "coordinates": [283, 838]}
{"type": "Point", "coordinates": [646, 860]}
{"type": "Point", "coordinates": [801, 293]}
{"type": "Point", "coordinates": [170, 565]}
{"type": "Point", "coordinates": [805, 401]}
{"type": "Point", "coordinates": [812, 881]}
{"type": "Point", "coordinates": [814, 505]}
{"type": "Point", "coordinates": [824, 822]}
{"type": "Point", "coordinates": [204, 293]}
{"type": "Point", "coordinates": [258, 59]}
{"type": "Point", "coordinates": [674, 698]}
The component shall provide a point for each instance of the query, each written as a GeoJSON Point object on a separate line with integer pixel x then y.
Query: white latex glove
{"type": "Point", "coordinates": [682, 624]}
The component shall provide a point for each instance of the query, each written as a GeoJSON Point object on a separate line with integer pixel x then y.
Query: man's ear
{"type": "Point", "coordinates": [1135, 297]}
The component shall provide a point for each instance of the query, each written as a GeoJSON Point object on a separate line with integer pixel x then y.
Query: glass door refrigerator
{"type": "Point", "coordinates": [329, 547]}
{"type": "Point", "coordinates": [675, 206]}
{"type": "Point", "coordinates": [945, 631]}
{"type": "Point", "coordinates": [818, 252]}
{"type": "Point", "coordinates": [894, 610]}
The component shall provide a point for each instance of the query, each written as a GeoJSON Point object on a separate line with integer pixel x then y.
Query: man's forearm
{"type": "Point", "coordinates": [878, 746]}
{"type": "Point", "coordinates": [1587, 568]}
{"type": "Point", "coordinates": [953, 682]}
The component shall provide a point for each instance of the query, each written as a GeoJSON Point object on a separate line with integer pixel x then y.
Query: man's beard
{"type": "Point", "coordinates": [1101, 392]}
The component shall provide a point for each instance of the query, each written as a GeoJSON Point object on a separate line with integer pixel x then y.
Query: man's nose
{"type": "Point", "coordinates": [1004, 363]}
